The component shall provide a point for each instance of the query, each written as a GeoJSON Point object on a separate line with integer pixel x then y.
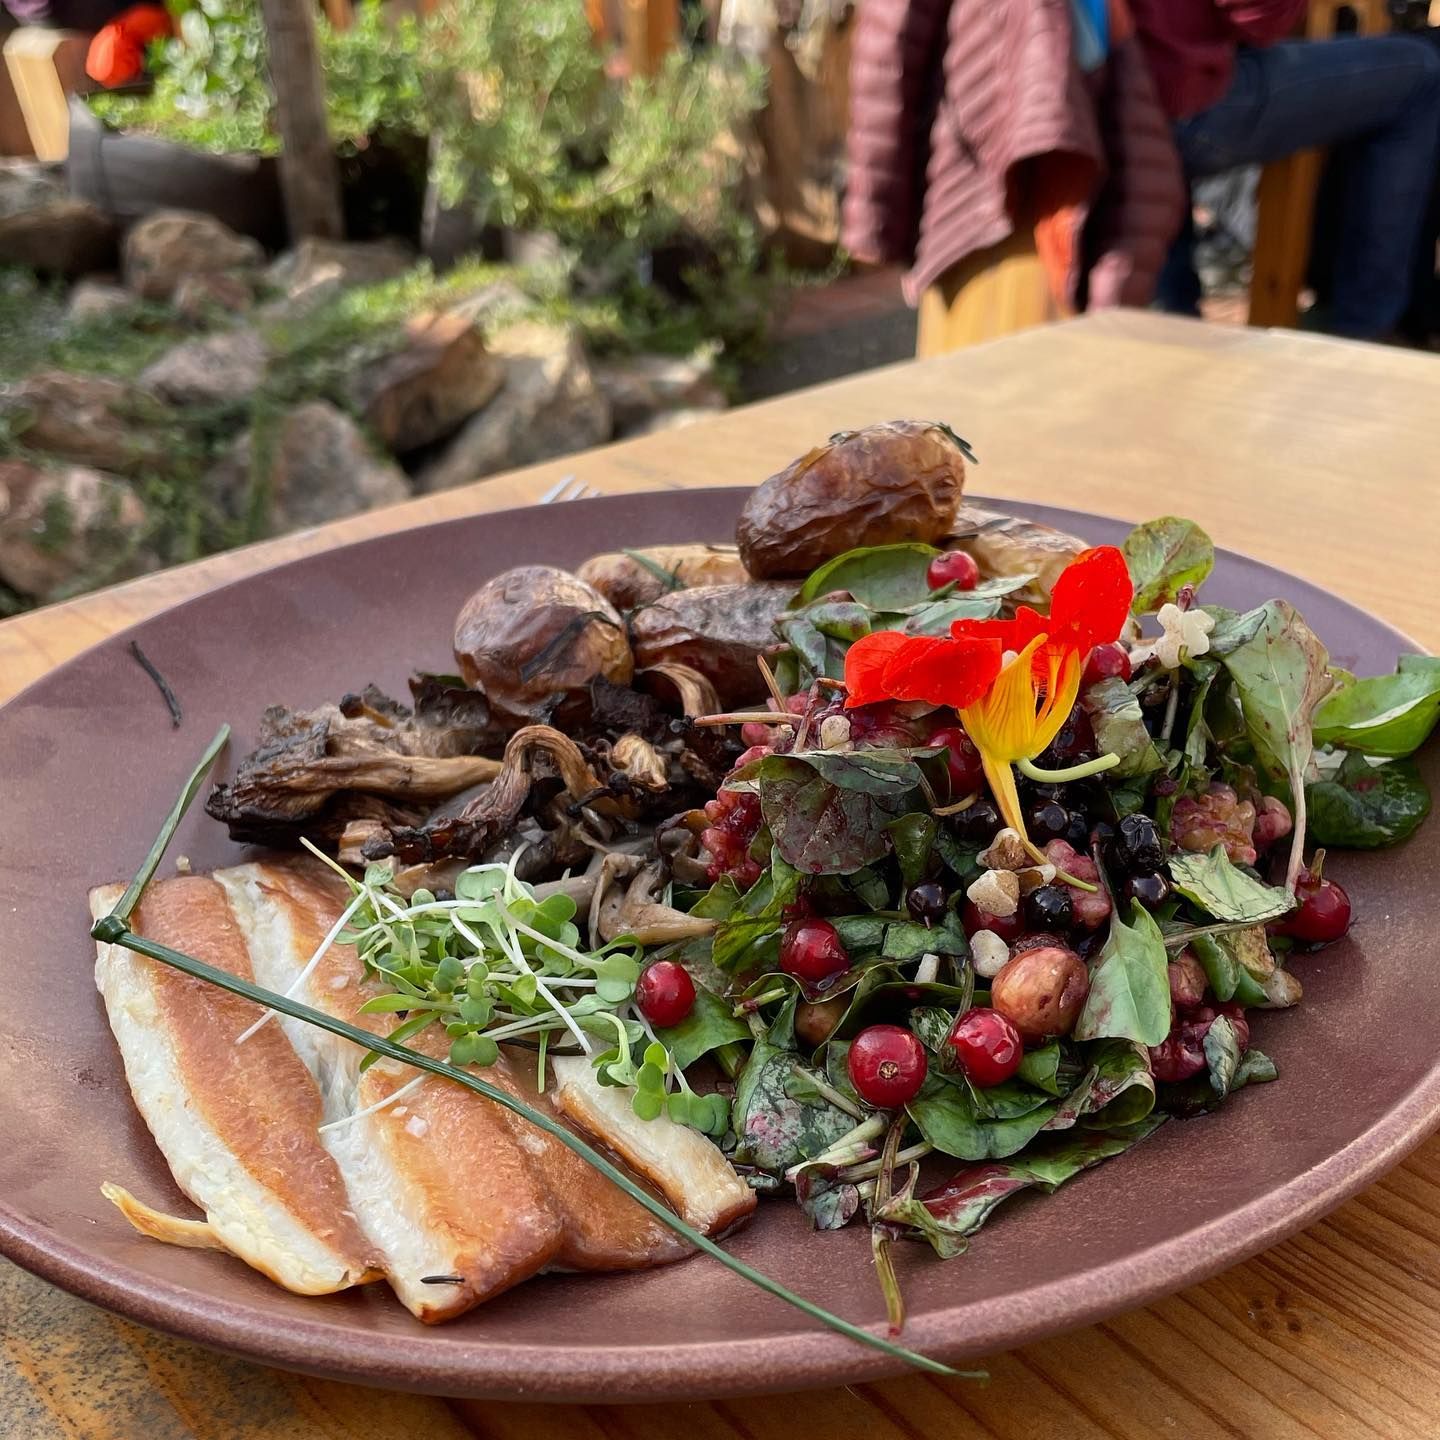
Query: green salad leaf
{"type": "Point", "coordinates": [1119, 726]}
{"type": "Point", "coordinates": [1387, 715]}
{"type": "Point", "coordinates": [947, 1216]}
{"type": "Point", "coordinates": [1221, 959]}
{"type": "Point", "coordinates": [827, 810]}
{"type": "Point", "coordinates": [913, 837]}
{"type": "Point", "coordinates": [1222, 1054]}
{"type": "Point", "coordinates": [882, 577]}
{"type": "Point", "coordinates": [1365, 806]}
{"type": "Point", "coordinates": [1041, 1068]}
{"type": "Point", "coordinates": [1224, 891]}
{"type": "Point", "coordinates": [748, 936]}
{"type": "Point", "coordinates": [954, 1119]}
{"type": "Point", "coordinates": [1117, 1089]}
{"type": "Point", "coordinates": [708, 1026]}
{"type": "Point", "coordinates": [1281, 675]}
{"type": "Point", "coordinates": [1164, 556]}
{"type": "Point", "coordinates": [1129, 995]}
{"type": "Point", "coordinates": [774, 1129]}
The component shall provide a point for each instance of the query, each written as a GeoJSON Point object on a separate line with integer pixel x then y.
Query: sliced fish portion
{"type": "Point", "coordinates": [435, 1178]}
{"type": "Point", "coordinates": [237, 1126]}
{"type": "Point", "coordinates": [688, 1170]}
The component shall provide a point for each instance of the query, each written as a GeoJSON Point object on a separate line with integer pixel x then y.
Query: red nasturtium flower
{"type": "Point", "coordinates": [1013, 682]}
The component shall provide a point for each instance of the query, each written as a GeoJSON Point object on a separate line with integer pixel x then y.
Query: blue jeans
{"type": "Point", "coordinates": [1380, 95]}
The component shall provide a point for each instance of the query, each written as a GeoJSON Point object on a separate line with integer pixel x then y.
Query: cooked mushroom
{"type": "Point", "coordinates": [314, 771]}
{"type": "Point", "coordinates": [640, 914]}
{"type": "Point", "coordinates": [716, 630]}
{"type": "Point", "coordinates": [494, 811]}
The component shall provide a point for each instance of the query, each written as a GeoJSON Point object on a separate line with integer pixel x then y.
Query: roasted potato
{"type": "Point", "coordinates": [628, 582]}
{"type": "Point", "coordinates": [715, 629]}
{"type": "Point", "coordinates": [898, 481]}
{"type": "Point", "coordinates": [534, 639]}
{"type": "Point", "coordinates": [1006, 545]}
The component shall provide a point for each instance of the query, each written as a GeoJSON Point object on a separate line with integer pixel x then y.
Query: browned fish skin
{"type": "Point", "coordinates": [448, 1170]}
{"type": "Point", "coordinates": [604, 1228]}
{"type": "Point", "coordinates": [601, 1227]}
{"type": "Point", "coordinates": [258, 1099]}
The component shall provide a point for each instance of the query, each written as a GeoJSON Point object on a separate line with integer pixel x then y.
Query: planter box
{"type": "Point", "coordinates": [131, 176]}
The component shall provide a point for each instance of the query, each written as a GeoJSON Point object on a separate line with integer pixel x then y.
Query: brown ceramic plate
{"type": "Point", "coordinates": [90, 764]}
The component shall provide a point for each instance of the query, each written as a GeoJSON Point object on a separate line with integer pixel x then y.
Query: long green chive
{"type": "Point", "coordinates": [113, 929]}
{"type": "Point", "coordinates": [131, 897]}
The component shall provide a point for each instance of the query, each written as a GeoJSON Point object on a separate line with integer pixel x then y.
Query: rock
{"type": "Point", "coordinates": [97, 300]}
{"type": "Point", "coordinates": [227, 366]}
{"type": "Point", "coordinates": [166, 247]}
{"type": "Point", "coordinates": [424, 391]}
{"type": "Point", "coordinates": [640, 385]}
{"type": "Point", "coordinates": [670, 420]}
{"type": "Point", "coordinates": [316, 268]}
{"type": "Point", "coordinates": [549, 405]}
{"type": "Point", "coordinates": [320, 469]}
{"type": "Point", "coordinates": [57, 526]}
{"type": "Point", "coordinates": [200, 297]}
{"type": "Point", "coordinates": [43, 227]}
{"type": "Point", "coordinates": [87, 420]}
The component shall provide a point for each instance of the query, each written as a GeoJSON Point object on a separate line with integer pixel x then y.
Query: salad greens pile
{"type": "Point", "coordinates": [1232, 736]}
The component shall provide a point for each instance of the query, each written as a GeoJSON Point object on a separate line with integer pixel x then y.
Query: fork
{"type": "Point", "coordinates": [568, 487]}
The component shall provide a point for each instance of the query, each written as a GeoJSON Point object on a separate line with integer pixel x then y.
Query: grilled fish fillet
{"type": "Point", "coordinates": [443, 1181]}
{"type": "Point", "coordinates": [237, 1127]}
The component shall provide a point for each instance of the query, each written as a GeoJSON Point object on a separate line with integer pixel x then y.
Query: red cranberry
{"type": "Point", "coordinates": [1105, 662]}
{"type": "Point", "coordinates": [1007, 927]}
{"type": "Point", "coordinates": [1323, 914]}
{"type": "Point", "coordinates": [887, 1066]}
{"type": "Point", "coordinates": [665, 993]}
{"type": "Point", "coordinates": [811, 950]}
{"type": "Point", "coordinates": [955, 568]}
{"type": "Point", "coordinates": [967, 775]}
{"type": "Point", "coordinates": [985, 1045]}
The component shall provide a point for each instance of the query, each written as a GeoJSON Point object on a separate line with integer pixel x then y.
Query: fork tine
{"type": "Point", "coordinates": [554, 492]}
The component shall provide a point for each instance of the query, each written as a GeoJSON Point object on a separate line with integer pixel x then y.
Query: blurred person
{"type": "Point", "coordinates": [1018, 139]}
{"type": "Point", "coordinates": [1239, 93]}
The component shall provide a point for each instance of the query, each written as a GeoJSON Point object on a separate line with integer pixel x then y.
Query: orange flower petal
{"type": "Point", "coordinates": [1091, 600]}
{"type": "Point", "coordinates": [943, 671]}
{"type": "Point", "coordinates": [865, 664]}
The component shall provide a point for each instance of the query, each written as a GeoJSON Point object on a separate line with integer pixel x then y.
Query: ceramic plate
{"type": "Point", "coordinates": [89, 764]}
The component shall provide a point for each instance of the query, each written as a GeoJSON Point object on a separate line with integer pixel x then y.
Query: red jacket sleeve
{"type": "Point", "coordinates": [1262, 22]}
{"type": "Point", "coordinates": [895, 71]}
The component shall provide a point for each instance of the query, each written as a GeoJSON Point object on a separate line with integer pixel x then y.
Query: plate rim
{"type": "Point", "coordinates": [426, 1361]}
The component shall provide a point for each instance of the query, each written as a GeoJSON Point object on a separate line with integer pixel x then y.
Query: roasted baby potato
{"type": "Point", "coordinates": [901, 480]}
{"type": "Point", "coordinates": [534, 639]}
{"type": "Point", "coordinates": [715, 629]}
{"type": "Point", "coordinates": [630, 580]}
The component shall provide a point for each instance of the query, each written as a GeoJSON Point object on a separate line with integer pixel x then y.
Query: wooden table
{"type": "Point", "coordinates": [1317, 455]}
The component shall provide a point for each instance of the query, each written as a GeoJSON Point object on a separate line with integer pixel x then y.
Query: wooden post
{"type": "Point", "coordinates": [309, 176]}
{"type": "Point", "coordinates": [44, 66]}
{"type": "Point", "coordinates": [652, 28]}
